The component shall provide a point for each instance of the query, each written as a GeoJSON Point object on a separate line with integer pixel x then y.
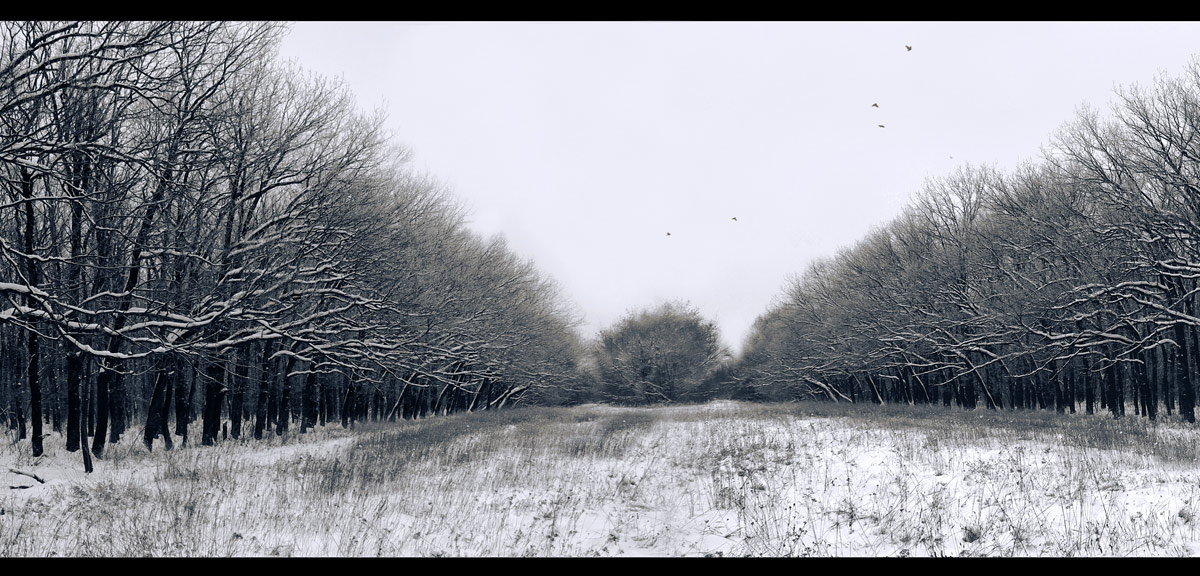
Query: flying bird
{"type": "Point", "coordinates": [881, 125]}
{"type": "Point", "coordinates": [735, 218]}
{"type": "Point", "coordinates": [876, 105]}
{"type": "Point", "coordinates": [668, 233]}
{"type": "Point", "coordinates": [908, 47]}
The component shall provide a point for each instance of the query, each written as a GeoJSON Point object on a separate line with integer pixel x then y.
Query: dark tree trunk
{"type": "Point", "coordinates": [10, 377]}
{"type": "Point", "coordinates": [154, 415]}
{"type": "Point", "coordinates": [74, 357]}
{"type": "Point", "coordinates": [56, 393]}
{"type": "Point", "coordinates": [75, 382]}
{"type": "Point", "coordinates": [308, 402]}
{"type": "Point", "coordinates": [89, 407]}
{"type": "Point", "coordinates": [1121, 375]}
{"type": "Point", "coordinates": [164, 417]}
{"type": "Point", "coordinates": [105, 380]}
{"type": "Point", "coordinates": [324, 412]}
{"type": "Point", "coordinates": [1149, 401]}
{"type": "Point", "coordinates": [1102, 388]}
{"type": "Point", "coordinates": [85, 405]}
{"type": "Point", "coordinates": [1060, 404]}
{"type": "Point", "coordinates": [32, 345]}
{"type": "Point", "coordinates": [273, 399]}
{"type": "Point", "coordinates": [241, 375]}
{"type": "Point", "coordinates": [185, 389]}
{"type": "Point", "coordinates": [35, 395]}
{"type": "Point", "coordinates": [116, 404]}
{"type": "Point", "coordinates": [1038, 386]}
{"type": "Point", "coordinates": [262, 407]}
{"type": "Point", "coordinates": [1110, 377]}
{"type": "Point", "coordinates": [347, 402]}
{"type": "Point", "coordinates": [1071, 392]}
{"type": "Point", "coordinates": [1088, 389]}
{"type": "Point", "coordinates": [214, 395]}
{"type": "Point", "coordinates": [1183, 380]}
{"type": "Point", "coordinates": [1168, 377]}
{"type": "Point", "coordinates": [321, 402]}
{"type": "Point", "coordinates": [1135, 388]}
{"type": "Point", "coordinates": [285, 407]}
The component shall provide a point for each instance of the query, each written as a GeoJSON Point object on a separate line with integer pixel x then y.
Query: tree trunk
{"type": "Point", "coordinates": [184, 390]}
{"type": "Point", "coordinates": [285, 407]}
{"type": "Point", "coordinates": [75, 387]}
{"type": "Point", "coordinates": [1147, 384]}
{"type": "Point", "coordinates": [116, 404]}
{"type": "Point", "coordinates": [1071, 392]}
{"type": "Point", "coordinates": [1168, 377]}
{"type": "Point", "coordinates": [104, 380]}
{"type": "Point", "coordinates": [85, 410]}
{"type": "Point", "coordinates": [154, 415]}
{"type": "Point", "coordinates": [1088, 390]}
{"type": "Point", "coordinates": [35, 395]}
{"type": "Point", "coordinates": [265, 378]}
{"type": "Point", "coordinates": [214, 395]}
{"type": "Point", "coordinates": [1183, 380]}
{"type": "Point", "coordinates": [241, 374]}
{"type": "Point", "coordinates": [1056, 380]}
{"type": "Point", "coordinates": [1110, 376]}
{"type": "Point", "coordinates": [164, 417]}
{"type": "Point", "coordinates": [307, 402]}
{"type": "Point", "coordinates": [347, 402]}
{"type": "Point", "coordinates": [34, 356]}
{"type": "Point", "coordinates": [56, 391]}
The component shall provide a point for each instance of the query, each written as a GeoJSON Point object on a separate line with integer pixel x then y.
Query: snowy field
{"type": "Point", "coordinates": [723, 479]}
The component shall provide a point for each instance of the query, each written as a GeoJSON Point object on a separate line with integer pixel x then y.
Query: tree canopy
{"type": "Point", "coordinates": [195, 226]}
{"type": "Point", "coordinates": [658, 355]}
{"type": "Point", "coordinates": [1069, 278]}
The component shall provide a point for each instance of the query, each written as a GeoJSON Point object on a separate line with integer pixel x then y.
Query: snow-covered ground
{"type": "Point", "coordinates": [724, 479]}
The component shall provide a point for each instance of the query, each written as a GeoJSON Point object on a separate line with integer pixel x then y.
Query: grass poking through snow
{"type": "Point", "coordinates": [723, 479]}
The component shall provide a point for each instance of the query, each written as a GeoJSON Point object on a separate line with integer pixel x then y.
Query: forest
{"type": "Point", "coordinates": [196, 234]}
{"type": "Point", "coordinates": [1067, 284]}
{"type": "Point", "coordinates": [194, 230]}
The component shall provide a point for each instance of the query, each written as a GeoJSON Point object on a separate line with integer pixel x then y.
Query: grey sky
{"type": "Point", "coordinates": [585, 143]}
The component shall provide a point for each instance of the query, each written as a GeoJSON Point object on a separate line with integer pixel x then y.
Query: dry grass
{"type": "Point", "coordinates": [719, 479]}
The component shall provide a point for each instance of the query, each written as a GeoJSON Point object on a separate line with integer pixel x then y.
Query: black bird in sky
{"type": "Point", "coordinates": [881, 125]}
{"type": "Point", "coordinates": [908, 47]}
{"type": "Point", "coordinates": [876, 105]}
{"type": "Point", "coordinates": [668, 233]}
{"type": "Point", "coordinates": [735, 218]}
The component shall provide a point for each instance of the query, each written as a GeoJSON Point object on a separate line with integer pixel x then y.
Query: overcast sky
{"type": "Point", "coordinates": [585, 143]}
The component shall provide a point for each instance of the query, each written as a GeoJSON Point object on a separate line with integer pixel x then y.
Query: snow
{"type": "Point", "coordinates": [22, 289]}
{"type": "Point", "coordinates": [716, 480]}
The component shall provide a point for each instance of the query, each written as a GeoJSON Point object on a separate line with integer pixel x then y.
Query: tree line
{"type": "Point", "coordinates": [1068, 283]}
{"type": "Point", "coordinates": [196, 230]}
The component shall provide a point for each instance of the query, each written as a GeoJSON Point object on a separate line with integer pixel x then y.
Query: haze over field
{"type": "Point", "coordinates": [585, 143]}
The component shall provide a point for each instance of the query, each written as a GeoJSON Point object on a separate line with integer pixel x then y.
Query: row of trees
{"type": "Point", "coordinates": [193, 227]}
{"type": "Point", "coordinates": [1068, 281]}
